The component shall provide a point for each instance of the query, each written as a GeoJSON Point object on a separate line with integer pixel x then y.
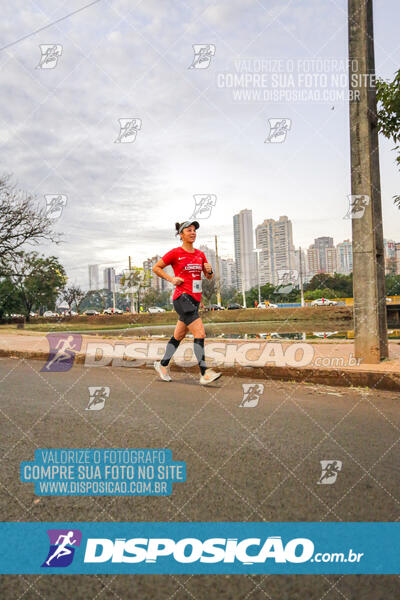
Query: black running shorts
{"type": "Point", "coordinates": [181, 304]}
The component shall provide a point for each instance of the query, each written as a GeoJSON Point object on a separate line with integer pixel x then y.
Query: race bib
{"type": "Point", "coordinates": [196, 289]}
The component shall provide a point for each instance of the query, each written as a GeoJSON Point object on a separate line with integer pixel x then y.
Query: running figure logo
{"type": "Point", "coordinates": [128, 129]}
{"type": "Point", "coordinates": [203, 205]}
{"type": "Point", "coordinates": [288, 279]}
{"type": "Point", "coordinates": [50, 55]}
{"type": "Point", "coordinates": [203, 54]}
{"type": "Point", "coordinates": [63, 543]}
{"type": "Point", "coordinates": [63, 347]}
{"type": "Point", "coordinates": [98, 397]}
{"type": "Point", "coordinates": [251, 394]}
{"type": "Point", "coordinates": [278, 129]}
{"type": "Point", "coordinates": [330, 470]}
{"type": "Point", "coordinates": [357, 206]}
{"type": "Point", "coordinates": [54, 205]}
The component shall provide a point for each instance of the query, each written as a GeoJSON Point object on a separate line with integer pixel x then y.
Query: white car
{"type": "Point", "coordinates": [323, 302]}
{"type": "Point", "coordinates": [267, 305]}
{"type": "Point", "coordinates": [50, 313]}
{"type": "Point", "coordinates": [156, 309]}
{"type": "Point", "coordinates": [91, 312]}
{"type": "Point", "coordinates": [111, 311]}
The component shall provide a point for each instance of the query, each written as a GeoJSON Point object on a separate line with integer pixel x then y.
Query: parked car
{"type": "Point", "coordinates": [267, 305]}
{"type": "Point", "coordinates": [234, 306]}
{"type": "Point", "coordinates": [50, 313]}
{"type": "Point", "coordinates": [323, 302]}
{"type": "Point", "coordinates": [155, 309]}
{"type": "Point", "coordinates": [216, 307]}
{"type": "Point", "coordinates": [91, 313]}
{"type": "Point", "coordinates": [112, 311]}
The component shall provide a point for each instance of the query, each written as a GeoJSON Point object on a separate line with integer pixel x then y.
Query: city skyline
{"type": "Point", "coordinates": [274, 239]}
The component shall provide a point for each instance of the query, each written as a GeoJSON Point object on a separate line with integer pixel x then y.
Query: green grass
{"type": "Point", "coordinates": [46, 327]}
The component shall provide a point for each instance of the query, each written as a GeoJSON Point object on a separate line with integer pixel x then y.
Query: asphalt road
{"type": "Point", "coordinates": [243, 464]}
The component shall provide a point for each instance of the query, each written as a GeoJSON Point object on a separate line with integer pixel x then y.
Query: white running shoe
{"type": "Point", "coordinates": [162, 371]}
{"type": "Point", "coordinates": [209, 376]}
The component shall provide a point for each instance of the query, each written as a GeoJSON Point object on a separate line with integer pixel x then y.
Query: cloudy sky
{"type": "Point", "coordinates": [125, 59]}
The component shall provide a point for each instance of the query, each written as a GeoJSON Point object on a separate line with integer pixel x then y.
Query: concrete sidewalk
{"type": "Point", "coordinates": [327, 362]}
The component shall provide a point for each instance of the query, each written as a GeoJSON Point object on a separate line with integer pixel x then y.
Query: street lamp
{"type": "Point", "coordinates": [258, 250]}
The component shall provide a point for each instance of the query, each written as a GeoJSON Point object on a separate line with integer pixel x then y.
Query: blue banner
{"type": "Point", "coordinates": [217, 548]}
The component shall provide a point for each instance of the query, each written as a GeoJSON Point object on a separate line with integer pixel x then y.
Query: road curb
{"type": "Point", "coordinates": [381, 380]}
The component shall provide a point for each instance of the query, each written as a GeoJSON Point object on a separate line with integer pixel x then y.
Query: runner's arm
{"type": "Point", "coordinates": [208, 275]}
{"type": "Point", "coordinates": [206, 268]}
{"type": "Point", "coordinates": [158, 270]}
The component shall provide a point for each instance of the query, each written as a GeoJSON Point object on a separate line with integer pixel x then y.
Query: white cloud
{"type": "Point", "coordinates": [57, 127]}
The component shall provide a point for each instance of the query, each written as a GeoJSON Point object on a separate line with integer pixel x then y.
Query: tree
{"type": "Point", "coordinates": [154, 298]}
{"type": "Point", "coordinates": [134, 281]}
{"type": "Point", "coordinates": [388, 96]}
{"type": "Point", "coordinates": [92, 300]}
{"type": "Point", "coordinates": [392, 285]}
{"type": "Point", "coordinates": [37, 280]}
{"type": "Point", "coordinates": [9, 300]}
{"type": "Point", "coordinates": [21, 221]}
{"type": "Point", "coordinates": [338, 285]}
{"type": "Point", "coordinates": [73, 295]}
{"type": "Point", "coordinates": [208, 290]}
{"type": "Point", "coordinates": [227, 295]}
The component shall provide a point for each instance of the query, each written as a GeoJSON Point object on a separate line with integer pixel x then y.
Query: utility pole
{"type": "Point", "coordinates": [218, 275]}
{"type": "Point", "coordinates": [258, 250]}
{"type": "Point", "coordinates": [130, 285]}
{"type": "Point", "coordinates": [301, 278]}
{"type": "Point", "coordinates": [370, 323]}
{"type": "Point", "coordinates": [113, 288]}
{"type": "Point", "coordinates": [243, 294]}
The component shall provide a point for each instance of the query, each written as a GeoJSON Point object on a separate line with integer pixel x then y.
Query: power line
{"type": "Point", "coordinates": [49, 25]}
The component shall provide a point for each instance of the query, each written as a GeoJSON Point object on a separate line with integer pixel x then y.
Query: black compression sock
{"type": "Point", "coordinates": [169, 351]}
{"type": "Point", "coordinates": [198, 347]}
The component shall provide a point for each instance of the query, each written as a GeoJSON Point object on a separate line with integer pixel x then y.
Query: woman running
{"type": "Point", "coordinates": [188, 265]}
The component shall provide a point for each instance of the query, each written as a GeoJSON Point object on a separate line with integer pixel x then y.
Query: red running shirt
{"type": "Point", "coordinates": [189, 266]}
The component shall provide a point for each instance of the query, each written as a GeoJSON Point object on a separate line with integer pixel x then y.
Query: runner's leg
{"type": "Point", "coordinates": [172, 346]}
{"type": "Point", "coordinates": [198, 331]}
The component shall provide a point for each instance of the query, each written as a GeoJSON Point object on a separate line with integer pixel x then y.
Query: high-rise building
{"type": "Point", "coordinates": [321, 244]}
{"type": "Point", "coordinates": [118, 283]}
{"type": "Point", "coordinates": [390, 256]}
{"type": "Point", "coordinates": [109, 279]}
{"type": "Point", "coordinates": [93, 277]}
{"type": "Point", "coordinates": [265, 242]}
{"type": "Point", "coordinates": [245, 257]}
{"type": "Point", "coordinates": [331, 263]}
{"type": "Point", "coordinates": [302, 268]}
{"type": "Point", "coordinates": [210, 256]}
{"type": "Point", "coordinates": [157, 283]}
{"type": "Point", "coordinates": [313, 263]}
{"type": "Point", "coordinates": [227, 267]}
{"type": "Point", "coordinates": [321, 256]}
{"type": "Point", "coordinates": [397, 258]}
{"type": "Point", "coordinates": [344, 257]}
{"type": "Point", "coordinates": [275, 240]}
{"type": "Point", "coordinates": [228, 273]}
